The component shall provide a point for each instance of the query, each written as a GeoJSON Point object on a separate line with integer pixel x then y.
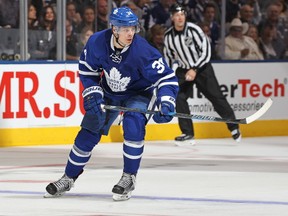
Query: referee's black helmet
{"type": "Point", "coordinates": [175, 8]}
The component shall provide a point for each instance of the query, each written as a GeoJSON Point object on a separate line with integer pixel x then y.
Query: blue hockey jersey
{"type": "Point", "coordinates": [137, 69]}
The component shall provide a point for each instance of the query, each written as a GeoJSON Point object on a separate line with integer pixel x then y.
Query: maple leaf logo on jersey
{"type": "Point", "coordinates": [115, 82]}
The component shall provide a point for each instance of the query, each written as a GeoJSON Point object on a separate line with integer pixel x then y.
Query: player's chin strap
{"type": "Point", "coordinates": [117, 40]}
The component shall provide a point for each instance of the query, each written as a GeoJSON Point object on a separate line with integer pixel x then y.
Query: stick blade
{"type": "Point", "coordinates": [260, 112]}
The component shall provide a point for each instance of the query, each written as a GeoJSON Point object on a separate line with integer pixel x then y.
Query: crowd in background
{"type": "Point", "coordinates": [254, 29]}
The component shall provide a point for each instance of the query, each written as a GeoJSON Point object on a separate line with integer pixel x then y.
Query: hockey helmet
{"type": "Point", "coordinates": [176, 8]}
{"type": "Point", "coordinates": [123, 16]}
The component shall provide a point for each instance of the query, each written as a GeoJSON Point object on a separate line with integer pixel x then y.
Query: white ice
{"type": "Point", "coordinates": [216, 177]}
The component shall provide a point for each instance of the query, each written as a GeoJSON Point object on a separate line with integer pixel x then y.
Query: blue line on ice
{"type": "Point", "coordinates": [261, 202]}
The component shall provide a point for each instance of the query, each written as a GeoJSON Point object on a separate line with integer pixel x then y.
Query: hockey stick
{"type": "Point", "coordinates": [247, 120]}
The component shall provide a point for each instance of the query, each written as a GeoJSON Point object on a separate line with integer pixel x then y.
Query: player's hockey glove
{"type": "Point", "coordinates": [95, 116]}
{"type": "Point", "coordinates": [166, 107]}
{"type": "Point", "coordinates": [93, 98]}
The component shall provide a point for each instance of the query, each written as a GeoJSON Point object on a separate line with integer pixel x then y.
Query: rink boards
{"type": "Point", "coordinates": [41, 103]}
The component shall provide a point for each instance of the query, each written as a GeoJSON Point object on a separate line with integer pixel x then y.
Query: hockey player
{"type": "Point", "coordinates": [118, 67]}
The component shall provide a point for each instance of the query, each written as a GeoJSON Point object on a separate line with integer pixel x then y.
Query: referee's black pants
{"type": "Point", "coordinates": [207, 84]}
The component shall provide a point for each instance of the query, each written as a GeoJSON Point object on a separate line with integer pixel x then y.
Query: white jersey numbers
{"type": "Point", "coordinates": [158, 64]}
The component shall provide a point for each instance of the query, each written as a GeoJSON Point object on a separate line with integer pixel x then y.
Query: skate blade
{"type": "Point", "coordinates": [185, 143]}
{"type": "Point", "coordinates": [47, 195]}
{"type": "Point", "coordinates": [121, 197]}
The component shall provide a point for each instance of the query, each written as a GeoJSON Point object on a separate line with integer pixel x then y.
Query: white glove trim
{"type": "Point", "coordinates": [169, 99]}
{"type": "Point", "coordinates": [92, 89]}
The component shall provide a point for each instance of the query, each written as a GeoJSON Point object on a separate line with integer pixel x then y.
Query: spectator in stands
{"type": "Point", "coordinates": [257, 15]}
{"type": "Point", "coordinates": [232, 10]}
{"type": "Point", "coordinates": [218, 5]}
{"type": "Point", "coordinates": [283, 4]}
{"type": "Point", "coordinates": [73, 15]}
{"type": "Point", "coordinates": [238, 46]}
{"type": "Point", "coordinates": [42, 45]}
{"type": "Point", "coordinates": [273, 17]}
{"type": "Point", "coordinates": [102, 15]}
{"type": "Point", "coordinates": [199, 10]}
{"type": "Point", "coordinates": [84, 36]}
{"type": "Point", "coordinates": [207, 31]}
{"type": "Point", "coordinates": [161, 13]}
{"type": "Point", "coordinates": [209, 18]}
{"type": "Point", "coordinates": [33, 22]}
{"type": "Point", "coordinates": [156, 37]}
{"type": "Point", "coordinates": [39, 7]}
{"type": "Point", "coordinates": [9, 14]}
{"type": "Point", "coordinates": [253, 33]}
{"type": "Point", "coordinates": [263, 6]}
{"type": "Point", "coordinates": [283, 21]}
{"type": "Point", "coordinates": [283, 7]}
{"type": "Point", "coordinates": [271, 46]}
{"type": "Point", "coordinates": [146, 20]}
{"type": "Point", "coordinates": [246, 14]}
{"type": "Point", "coordinates": [88, 19]}
{"type": "Point", "coordinates": [71, 42]}
{"type": "Point", "coordinates": [48, 19]}
{"type": "Point", "coordinates": [82, 4]}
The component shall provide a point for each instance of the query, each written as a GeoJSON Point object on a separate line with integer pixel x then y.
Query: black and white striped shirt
{"type": "Point", "coordinates": [190, 47]}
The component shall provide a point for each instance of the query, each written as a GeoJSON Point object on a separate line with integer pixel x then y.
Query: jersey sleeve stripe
{"type": "Point", "coordinates": [86, 65]}
{"type": "Point", "coordinates": [89, 73]}
{"type": "Point", "coordinates": [167, 83]}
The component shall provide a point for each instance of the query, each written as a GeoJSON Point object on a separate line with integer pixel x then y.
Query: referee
{"type": "Point", "coordinates": [188, 51]}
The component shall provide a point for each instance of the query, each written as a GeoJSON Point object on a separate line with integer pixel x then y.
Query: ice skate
{"type": "Point", "coordinates": [185, 140]}
{"type": "Point", "coordinates": [58, 188]}
{"type": "Point", "coordinates": [236, 135]}
{"type": "Point", "coordinates": [123, 189]}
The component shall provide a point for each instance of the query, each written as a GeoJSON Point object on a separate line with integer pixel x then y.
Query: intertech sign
{"type": "Point", "coordinates": [247, 86]}
{"type": "Point", "coordinates": [45, 99]}
{"type": "Point", "coordinates": [250, 88]}
{"type": "Point", "coordinates": [274, 88]}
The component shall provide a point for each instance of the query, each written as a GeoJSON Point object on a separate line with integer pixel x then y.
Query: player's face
{"type": "Point", "coordinates": [179, 19]}
{"type": "Point", "coordinates": [126, 34]}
